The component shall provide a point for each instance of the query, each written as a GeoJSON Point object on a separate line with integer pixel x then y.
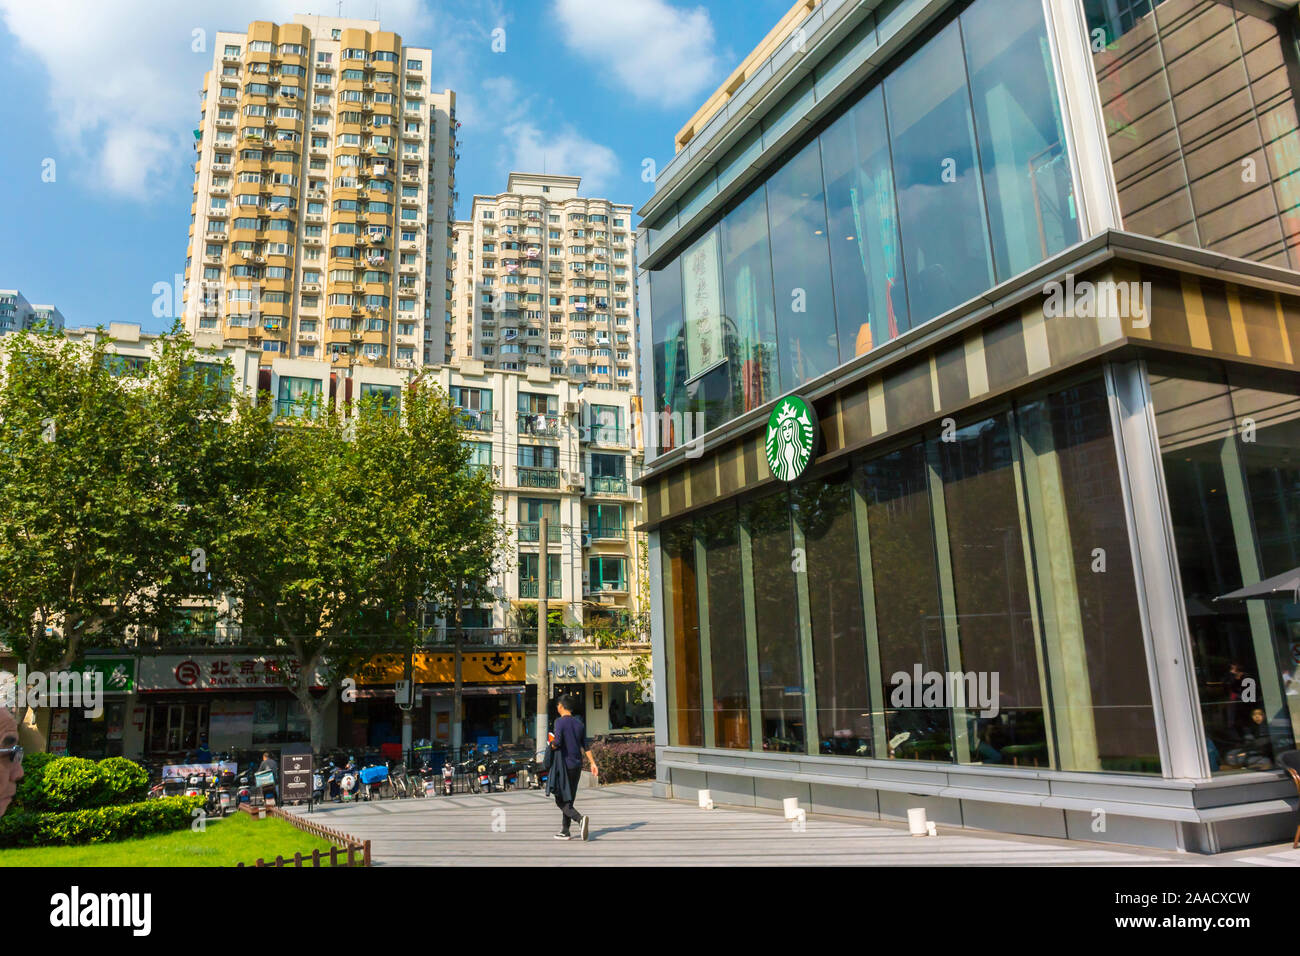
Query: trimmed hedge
{"type": "Point", "coordinates": [99, 825]}
{"type": "Point", "coordinates": [623, 762]}
{"type": "Point", "coordinates": [59, 784]}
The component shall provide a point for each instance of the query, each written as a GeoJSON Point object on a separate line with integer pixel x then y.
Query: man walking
{"type": "Point", "coordinates": [569, 746]}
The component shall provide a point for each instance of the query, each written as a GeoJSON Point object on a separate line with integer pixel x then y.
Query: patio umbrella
{"type": "Point", "coordinates": [1286, 584]}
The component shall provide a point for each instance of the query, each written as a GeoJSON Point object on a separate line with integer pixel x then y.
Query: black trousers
{"type": "Point", "coordinates": [566, 806]}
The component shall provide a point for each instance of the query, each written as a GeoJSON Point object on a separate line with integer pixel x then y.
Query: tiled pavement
{"type": "Point", "coordinates": [629, 827]}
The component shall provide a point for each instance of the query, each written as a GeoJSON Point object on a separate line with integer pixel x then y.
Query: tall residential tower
{"type": "Point", "coordinates": [545, 279]}
{"type": "Point", "coordinates": [323, 196]}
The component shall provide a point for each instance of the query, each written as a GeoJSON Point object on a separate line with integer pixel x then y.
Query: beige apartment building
{"type": "Point", "coordinates": [544, 278]}
{"type": "Point", "coordinates": [323, 196]}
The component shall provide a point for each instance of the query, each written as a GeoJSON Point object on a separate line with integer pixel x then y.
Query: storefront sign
{"type": "Point", "coordinates": [585, 668]}
{"type": "Point", "coordinates": [791, 437]}
{"type": "Point", "coordinates": [476, 667]}
{"type": "Point", "coordinates": [216, 672]}
{"type": "Point", "coordinates": [118, 673]}
{"type": "Point", "coordinates": [295, 773]}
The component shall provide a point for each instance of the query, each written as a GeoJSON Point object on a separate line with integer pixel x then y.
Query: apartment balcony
{"type": "Point", "coordinates": [228, 100]}
{"type": "Point", "coordinates": [606, 435]}
{"type": "Point", "coordinates": [226, 122]}
{"type": "Point", "coordinates": [605, 532]}
{"type": "Point", "coordinates": [475, 421]}
{"type": "Point", "coordinates": [296, 408]}
{"type": "Point", "coordinates": [537, 425]}
{"type": "Point", "coordinates": [311, 287]}
{"type": "Point", "coordinates": [531, 533]}
{"type": "Point", "coordinates": [604, 589]}
{"type": "Point", "coordinates": [218, 213]}
{"type": "Point", "coordinates": [213, 259]}
{"type": "Point", "coordinates": [529, 588]}
{"type": "Point", "coordinates": [213, 236]}
{"type": "Point", "coordinates": [539, 477]}
{"type": "Point", "coordinates": [231, 57]}
{"type": "Point", "coordinates": [221, 167]}
{"type": "Point", "coordinates": [312, 240]}
{"type": "Point", "coordinates": [608, 485]}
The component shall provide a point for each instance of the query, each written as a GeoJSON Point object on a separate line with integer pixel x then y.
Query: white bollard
{"type": "Point", "coordinates": [706, 800]}
{"type": "Point", "coordinates": [916, 823]}
{"type": "Point", "coordinates": [791, 805]}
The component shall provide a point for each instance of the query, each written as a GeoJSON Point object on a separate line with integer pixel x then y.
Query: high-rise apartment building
{"type": "Point", "coordinates": [323, 196]}
{"type": "Point", "coordinates": [17, 313]}
{"type": "Point", "coordinates": [546, 279]}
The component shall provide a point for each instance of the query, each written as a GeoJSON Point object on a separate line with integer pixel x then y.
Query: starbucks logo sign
{"type": "Point", "coordinates": [791, 437]}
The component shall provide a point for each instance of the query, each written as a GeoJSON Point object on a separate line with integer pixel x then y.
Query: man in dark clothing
{"type": "Point", "coordinates": [569, 746]}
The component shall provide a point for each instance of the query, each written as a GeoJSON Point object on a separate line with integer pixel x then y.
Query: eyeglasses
{"type": "Point", "coordinates": [14, 753]}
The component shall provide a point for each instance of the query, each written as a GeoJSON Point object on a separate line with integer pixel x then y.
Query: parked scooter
{"type": "Point", "coordinates": [374, 778]}
{"type": "Point", "coordinates": [448, 779]}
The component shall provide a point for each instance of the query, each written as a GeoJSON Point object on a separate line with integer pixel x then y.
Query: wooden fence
{"type": "Point", "coordinates": [356, 851]}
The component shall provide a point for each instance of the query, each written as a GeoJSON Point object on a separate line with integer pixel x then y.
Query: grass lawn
{"type": "Point", "coordinates": [237, 838]}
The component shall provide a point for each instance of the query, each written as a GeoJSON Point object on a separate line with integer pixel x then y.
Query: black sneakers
{"type": "Point", "coordinates": [563, 836]}
{"type": "Point", "coordinates": [583, 829]}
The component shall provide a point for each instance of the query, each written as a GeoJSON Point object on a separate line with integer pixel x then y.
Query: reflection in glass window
{"type": "Point", "coordinates": [780, 668]}
{"type": "Point", "coordinates": [801, 273]}
{"type": "Point", "coordinates": [708, 388]}
{"type": "Point", "coordinates": [669, 342]}
{"type": "Point", "coordinates": [941, 209]}
{"type": "Point", "coordinates": [1022, 140]}
{"type": "Point", "coordinates": [870, 299]}
{"type": "Point", "coordinates": [750, 318]}
{"type": "Point", "coordinates": [1098, 682]}
{"type": "Point", "coordinates": [1225, 497]}
{"type": "Point", "coordinates": [824, 511]}
{"type": "Point", "coordinates": [909, 626]}
{"type": "Point", "coordinates": [995, 628]}
{"type": "Point", "coordinates": [720, 535]}
{"type": "Point", "coordinates": [682, 635]}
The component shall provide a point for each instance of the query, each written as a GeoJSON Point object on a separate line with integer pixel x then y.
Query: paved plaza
{"type": "Point", "coordinates": [630, 827]}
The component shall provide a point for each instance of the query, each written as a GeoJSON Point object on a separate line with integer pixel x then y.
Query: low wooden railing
{"type": "Point", "coordinates": [357, 851]}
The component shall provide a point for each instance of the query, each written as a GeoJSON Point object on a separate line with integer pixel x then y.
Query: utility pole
{"type": "Point", "coordinates": [543, 665]}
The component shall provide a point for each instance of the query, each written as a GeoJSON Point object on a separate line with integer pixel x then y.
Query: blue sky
{"type": "Point", "coordinates": [109, 90]}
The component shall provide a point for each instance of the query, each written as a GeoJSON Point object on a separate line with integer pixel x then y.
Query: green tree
{"type": "Point", "coordinates": [109, 483]}
{"type": "Point", "coordinates": [345, 526]}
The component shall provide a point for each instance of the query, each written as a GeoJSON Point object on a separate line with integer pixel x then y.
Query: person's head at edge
{"type": "Point", "coordinates": [11, 766]}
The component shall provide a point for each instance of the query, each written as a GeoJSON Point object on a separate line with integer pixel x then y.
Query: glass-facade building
{"type": "Point", "coordinates": [1034, 265]}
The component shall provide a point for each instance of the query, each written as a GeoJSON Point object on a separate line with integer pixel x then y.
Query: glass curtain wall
{"type": "Point", "coordinates": [776, 614]}
{"type": "Point", "coordinates": [1231, 454]}
{"type": "Point", "coordinates": [682, 635]}
{"type": "Point", "coordinates": [969, 597]}
{"type": "Point", "coordinates": [926, 188]}
{"type": "Point", "coordinates": [729, 657]}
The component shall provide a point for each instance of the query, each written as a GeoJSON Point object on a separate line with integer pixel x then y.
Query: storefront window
{"type": "Point", "coordinates": [682, 635]}
{"type": "Point", "coordinates": [938, 179]}
{"type": "Point", "coordinates": [1233, 476]}
{"type": "Point", "coordinates": [801, 272]}
{"type": "Point", "coordinates": [1092, 627]}
{"type": "Point", "coordinates": [904, 575]}
{"type": "Point", "coordinates": [825, 514]}
{"type": "Point", "coordinates": [720, 535]}
{"type": "Point", "coordinates": [747, 283]}
{"type": "Point", "coordinates": [780, 669]}
{"type": "Point", "coordinates": [995, 633]}
{"type": "Point", "coordinates": [1022, 141]}
{"type": "Point", "coordinates": [870, 297]}
{"type": "Point", "coordinates": [625, 713]}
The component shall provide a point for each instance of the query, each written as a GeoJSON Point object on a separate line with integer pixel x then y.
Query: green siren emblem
{"type": "Point", "coordinates": [791, 437]}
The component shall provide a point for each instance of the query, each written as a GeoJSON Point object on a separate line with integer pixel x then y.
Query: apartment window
{"type": "Point", "coordinates": [260, 46]}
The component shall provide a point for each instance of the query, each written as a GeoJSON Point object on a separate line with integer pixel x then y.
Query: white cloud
{"type": "Point", "coordinates": [662, 54]}
{"type": "Point", "coordinates": [125, 80]}
{"type": "Point", "coordinates": [497, 111]}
